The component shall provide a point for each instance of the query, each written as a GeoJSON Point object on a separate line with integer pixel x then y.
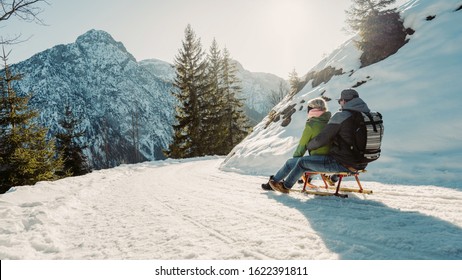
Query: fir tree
{"type": "Point", "coordinates": [26, 157]}
{"type": "Point", "coordinates": [75, 161]}
{"type": "Point", "coordinates": [277, 96]}
{"type": "Point", "coordinates": [360, 10]}
{"type": "Point", "coordinates": [212, 116]}
{"type": "Point", "coordinates": [294, 82]}
{"type": "Point", "coordinates": [235, 123]}
{"type": "Point", "coordinates": [381, 30]}
{"type": "Point", "coordinates": [190, 84]}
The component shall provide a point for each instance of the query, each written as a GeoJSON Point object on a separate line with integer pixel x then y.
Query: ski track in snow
{"type": "Point", "coordinates": [192, 210]}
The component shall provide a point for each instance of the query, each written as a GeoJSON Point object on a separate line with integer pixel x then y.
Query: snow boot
{"type": "Point", "coordinates": [267, 186]}
{"type": "Point", "coordinates": [331, 180]}
{"type": "Point", "coordinates": [302, 181]}
{"type": "Point", "coordinates": [278, 186]}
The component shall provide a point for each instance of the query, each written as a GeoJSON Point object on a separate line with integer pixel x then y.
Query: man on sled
{"type": "Point", "coordinates": [344, 155]}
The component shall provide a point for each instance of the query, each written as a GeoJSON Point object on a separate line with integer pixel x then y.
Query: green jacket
{"type": "Point", "coordinates": [313, 127]}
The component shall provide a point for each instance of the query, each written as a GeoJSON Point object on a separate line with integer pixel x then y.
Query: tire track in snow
{"type": "Point", "coordinates": [183, 211]}
{"type": "Point", "coordinates": [206, 204]}
{"type": "Point", "coordinates": [225, 199]}
{"type": "Point", "coordinates": [213, 232]}
{"type": "Point", "coordinates": [227, 204]}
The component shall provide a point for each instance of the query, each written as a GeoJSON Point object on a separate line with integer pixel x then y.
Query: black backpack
{"type": "Point", "coordinates": [368, 136]}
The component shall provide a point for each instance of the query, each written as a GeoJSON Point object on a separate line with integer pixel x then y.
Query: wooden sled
{"type": "Point", "coordinates": [330, 185]}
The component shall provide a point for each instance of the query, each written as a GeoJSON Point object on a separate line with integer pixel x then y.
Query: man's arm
{"type": "Point", "coordinates": [325, 137]}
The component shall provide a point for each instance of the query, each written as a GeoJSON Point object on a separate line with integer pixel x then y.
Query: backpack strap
{"type": "Point", "coordinates": [357, 118]}
{"type": "Point", "coordinates": [371, 121]}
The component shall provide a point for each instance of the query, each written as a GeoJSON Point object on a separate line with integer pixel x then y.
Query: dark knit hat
{"type": "Point", "coordinates": [348, 94]}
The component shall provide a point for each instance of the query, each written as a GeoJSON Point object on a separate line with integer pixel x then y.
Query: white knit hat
{"type": "Point", "coordinates": [317, 103]}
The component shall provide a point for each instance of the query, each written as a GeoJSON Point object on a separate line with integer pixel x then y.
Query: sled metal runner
{"type": "Point", "coordinates": [311, 188]}
{"type": "Point", "coordinates": [321, 193]}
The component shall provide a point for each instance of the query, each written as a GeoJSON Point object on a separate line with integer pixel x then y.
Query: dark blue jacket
{"type": "Point", "coordinates": [341, 126]}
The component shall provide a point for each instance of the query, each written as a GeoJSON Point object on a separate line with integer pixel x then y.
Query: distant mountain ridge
{"type": "Point", "coordinates": [125, 106]}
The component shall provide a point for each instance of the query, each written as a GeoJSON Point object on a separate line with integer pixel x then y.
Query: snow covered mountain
{"type": "Point", "coordinates": [161, 69]}
{"type": "Point", "coordinates": [125, 106]}
{"type": "Point", "coordinates": [125, 111]}
{"type": "Point", "coordinates": [256, 89]}
{"type": "Point", "coordinates": [417, 90]}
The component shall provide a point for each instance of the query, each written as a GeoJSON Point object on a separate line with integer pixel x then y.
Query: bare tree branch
{"type": "Point", "coordinates": [26, 10]}
{"type": "Point", "coordinates": [13, 40]}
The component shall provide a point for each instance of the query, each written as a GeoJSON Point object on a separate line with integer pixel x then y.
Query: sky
{"type": "Point", "coordinates": [272, 36]}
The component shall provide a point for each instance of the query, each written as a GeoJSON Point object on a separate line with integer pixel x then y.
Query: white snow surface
{"type": "Point", "coordinates": [190, 209]}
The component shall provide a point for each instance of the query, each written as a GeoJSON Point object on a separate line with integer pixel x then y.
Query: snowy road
{"type": "Point", "coordinates": [192, 210]}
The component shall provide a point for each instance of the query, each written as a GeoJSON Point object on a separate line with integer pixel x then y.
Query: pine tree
{"type": "Point", "coordinates": [210, 119]}
{"type": "Point", "coordinates": [381, 30]}
{"type": "Point", "coordinates": [212, 130]}
{"type": "Point", "coordinates": [277, 96]}
{"type": "Point", "coordinates": [26, 157]}
{"type": "Point", "coordinates": [362, 9]}
{"type": "Point", "coordinates": [190, 84]}
{"type": "Point", "coordinates": [75, 161]}
{"type": "Point", "coordinates": [135, 133]}
{"type": "Point", "coordinates": [235, 122]}
{"type": "Point", "coordinates": [294, 82]}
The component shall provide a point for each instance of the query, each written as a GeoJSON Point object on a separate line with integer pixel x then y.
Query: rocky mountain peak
{"type": "Point", "coordinates": [93, 41]}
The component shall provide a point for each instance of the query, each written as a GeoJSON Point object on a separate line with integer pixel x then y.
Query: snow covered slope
{"type": "Point", "coordinates": [417, 90]}
{"type": "Point", "coordinates": [161, 69]}
{"type": "Point", "coordinates": [144, 211]}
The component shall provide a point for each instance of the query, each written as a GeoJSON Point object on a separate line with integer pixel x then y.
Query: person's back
{"type": "Point", "coordinates": [314, 125]}
{"type": "Point", "coordinates": [318, 125]}
{"type": "Point", "coordinates": [341, 148]}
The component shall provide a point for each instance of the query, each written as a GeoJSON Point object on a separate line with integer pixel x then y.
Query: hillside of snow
{"type": "Point", "coordinates": [189, 209]}
{"type": "Point", "coordinates": [417, 90]}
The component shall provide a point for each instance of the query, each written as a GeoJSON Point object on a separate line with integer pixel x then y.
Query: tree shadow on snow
{"type": "Point", "coordinates": [360, 229]}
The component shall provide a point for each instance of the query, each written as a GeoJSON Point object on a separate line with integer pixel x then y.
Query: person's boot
{"type": "Point", "coordinates": [278, 186]}
{"type": "Point", "coordinates": [267, 186]}
{"type": "Point", "coordinates": [331, 180]}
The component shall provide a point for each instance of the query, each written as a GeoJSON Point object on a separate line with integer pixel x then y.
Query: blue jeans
{"type": "Point", "coordinates": [286, 168]}
{"type": "Point", "coordinates": [294, 168]}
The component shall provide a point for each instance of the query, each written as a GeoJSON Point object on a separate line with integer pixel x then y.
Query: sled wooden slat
{"type": "Point", "coordinates": [337, 188]}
